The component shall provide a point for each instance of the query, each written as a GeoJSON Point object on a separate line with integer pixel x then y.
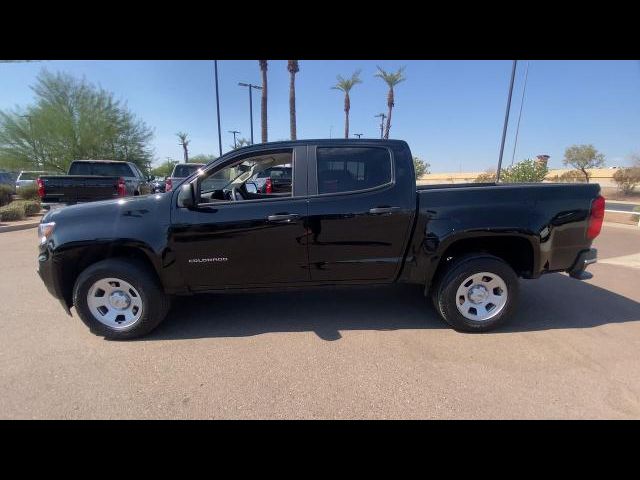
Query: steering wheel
{"type": "Point", "coordinates": [236, 196]}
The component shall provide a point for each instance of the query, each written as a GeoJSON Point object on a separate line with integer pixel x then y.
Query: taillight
{"type": "Point", "coordinates": [268, 186]}
{"type": "Point", "coordinates": [122, 187]}
{"type": "Point", "coordinates": [40, 184]}
{"type": "Point", "coordinates": [596, 217]}
{"type": "Point", "coordinates": [168, 185]}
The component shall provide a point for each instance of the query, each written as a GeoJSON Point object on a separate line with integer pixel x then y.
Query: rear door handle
{"type": "Point", "coordinates": [283, 218]}
{"type": "Point", "coordinates": [383, 210]}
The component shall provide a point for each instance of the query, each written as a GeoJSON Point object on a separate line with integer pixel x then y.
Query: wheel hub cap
{"type": "Point", "coordinates": [119, 300]}
{"type": "Point", "coordinates": [478, 294]}
{"type": "Point", "coordinates": [115, 302]}
{"type": "Point", "coordinates": [481, 296]}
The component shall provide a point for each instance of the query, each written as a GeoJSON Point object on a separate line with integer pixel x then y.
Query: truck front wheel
{"type": "Point", "coordinates": [119, 299]}
{"type": "Point", "coordinates": [476, 293]}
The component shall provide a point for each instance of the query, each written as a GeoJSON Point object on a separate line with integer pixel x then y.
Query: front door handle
{"type": "Point", "coordinates": [383, 210]}
{"type": "Point", "coordinates": [283, 218]}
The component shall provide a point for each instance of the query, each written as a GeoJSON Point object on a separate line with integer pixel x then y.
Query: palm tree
{"type": "Point", "coordinates": [185, 143]}
{"type": "Point", "coordinates": [293, 68]}
{"type": "Point", "coordinates": [263, 69]}
{"type": "Point", "coordinates": [391, 79]}
{"type": "Point", "coordinates": [345, 85]}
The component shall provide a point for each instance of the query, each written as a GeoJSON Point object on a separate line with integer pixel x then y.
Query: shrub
{"type": "Point", "coordinates": [30, 207]}
{"type": "Point", "coordinates": [486, 177]}
{"type": "Point", "coordinates": [528, 170]}
{"type": "Point", "coordinates": [6, 193]}
{"type": "Point", "coordinates": [12, 212]}
{"type": "Point", "coordinates": [627, 179]}
{"type": "Point", "coordinates": [29, 192]}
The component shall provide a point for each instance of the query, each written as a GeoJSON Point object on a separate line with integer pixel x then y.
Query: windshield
{"type": "Point", "coordinates": [185, 169]}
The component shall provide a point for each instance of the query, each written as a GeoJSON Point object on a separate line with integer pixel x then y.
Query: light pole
{"type": "Point", "coordinates": [250, 86]}
{"type": "Point", "coordinates": [357, 135]}
{"type": "Point", "coordinates": [382, 117]}
{"type": "Point", "coordinates": [506, 120]}
{"type": "Point", "coordinates": [215, 65]}
{"type": "Point", "coordinates": [234, 132]}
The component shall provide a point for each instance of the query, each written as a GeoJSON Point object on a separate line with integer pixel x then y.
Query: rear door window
{"type": "Point", "coordinates": [349, 169]}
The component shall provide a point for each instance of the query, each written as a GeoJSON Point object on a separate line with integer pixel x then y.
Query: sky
{"type": "Point", "coordinates": [450, 112]}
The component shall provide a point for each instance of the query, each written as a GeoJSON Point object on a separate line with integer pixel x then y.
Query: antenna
{"type": "Point", "coordinates": [524, 89]}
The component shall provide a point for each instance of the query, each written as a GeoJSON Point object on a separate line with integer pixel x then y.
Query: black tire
{"type": "Point", "coordinates": [444, 292]}
{"type": "Point", "coordinates": [155, 303]}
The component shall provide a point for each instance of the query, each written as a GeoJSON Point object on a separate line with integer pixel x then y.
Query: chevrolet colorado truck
{"type": "Point", "coordinates": [352, 215]}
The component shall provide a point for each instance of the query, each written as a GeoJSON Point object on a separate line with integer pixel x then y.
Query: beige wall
{"type": "Point", "coordinates": [603, 176]}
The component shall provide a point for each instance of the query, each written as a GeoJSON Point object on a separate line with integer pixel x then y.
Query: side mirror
{"type": "Point", "coordinates": [187, 196]}
{"type": "Point", "coordinates": [251, 187]}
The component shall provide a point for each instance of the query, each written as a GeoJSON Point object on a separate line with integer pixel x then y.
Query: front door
{"type": "Point", "coordinates": [238, 237]}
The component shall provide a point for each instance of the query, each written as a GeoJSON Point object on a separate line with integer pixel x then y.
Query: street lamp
{"type": "Point", "coordinates": [234, 132]}
{"type": "Point", "coordinates": [250, 86]}
{"type": "Point", "coordinates": [382, 117]}
{"type": "Point", "coordinates": [357, 135]}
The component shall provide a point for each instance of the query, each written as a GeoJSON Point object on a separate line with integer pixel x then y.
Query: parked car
{"type": "Point", "coordinates": [92, 180]}
{"type": "Point", "coordinates": [28, 178]}
{"type": "Point", "coordinates": [8, 179]}
{"type": "Point", "coordinates": [274, 179]}
{"type": "Point", "coordinates": [180, 172]}
{"type": "Point", "coordinates": [158, 185]}
{"type": "Point", "coordinates": [353, 216]}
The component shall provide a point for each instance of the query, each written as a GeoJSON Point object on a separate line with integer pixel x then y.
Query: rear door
{"type": "Point", "coordinates": [360, 213]}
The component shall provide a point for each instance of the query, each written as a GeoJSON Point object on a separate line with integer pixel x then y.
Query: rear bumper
{"type": "Point", "coordinates": [585, 258]}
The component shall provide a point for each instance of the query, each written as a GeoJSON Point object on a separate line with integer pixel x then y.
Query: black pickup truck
{"type": "Point", "coordinates": [353, 215]}
{"type": "Point", "coordinates": [91, 180]}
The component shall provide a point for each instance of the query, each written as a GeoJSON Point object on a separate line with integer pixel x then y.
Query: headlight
{"type": "Point", "coordinates": [45, 230]}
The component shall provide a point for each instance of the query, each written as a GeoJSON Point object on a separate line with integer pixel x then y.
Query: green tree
{"type": "Point", "coordinates": [391, 79]}
{"type": "Point", "coordinates": [263, 100]}
{"type": "Point", "coordinates": [582, 157]}
{"type": "Point", "coordinates": [525, 171]}
{"type": "Point", "coordinates": [293, 68]}
{"type": "Point", "coordinates": [71, 120]}
{"type": "Point", "coordinates": [165, 169]}
{"type": "Point", "coordinates": [421, 167]}
{"type": "Point", "coordinates": [345, 85]}
{"type": "Point", "coordinates": [202, 158]}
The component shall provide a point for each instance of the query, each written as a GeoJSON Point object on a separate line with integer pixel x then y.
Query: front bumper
{"type": "Point", "coordinates": [585, 258]}
{"type": "Point", "coordinates": [49, 273]}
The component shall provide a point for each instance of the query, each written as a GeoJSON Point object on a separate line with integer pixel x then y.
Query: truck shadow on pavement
{"type": "Point", "coordinates": [552, 302]}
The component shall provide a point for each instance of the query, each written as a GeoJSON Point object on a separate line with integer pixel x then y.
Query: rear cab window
{"type": "Point", "coordinates": [102, 169]}
{"type": "Point", "coordinates": [350, 169]}
{"type": "Point", "coordinates": [185, 170]}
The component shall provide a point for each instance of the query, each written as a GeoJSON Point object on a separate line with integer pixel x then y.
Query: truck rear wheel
{"type": "Point", "coordinates": [476, 293]}
{"type": "Point", "coordinates": [119, 299]}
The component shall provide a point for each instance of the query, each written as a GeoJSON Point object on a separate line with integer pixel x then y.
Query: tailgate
{"type": "Point", "coordinates": [73, 189]}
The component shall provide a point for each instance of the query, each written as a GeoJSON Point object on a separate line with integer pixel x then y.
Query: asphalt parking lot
{"type": "Point", "coordinates": [572, 351]}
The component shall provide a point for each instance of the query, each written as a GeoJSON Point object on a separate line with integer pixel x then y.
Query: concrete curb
{"type": "Point", "coordinates": [23, 226]}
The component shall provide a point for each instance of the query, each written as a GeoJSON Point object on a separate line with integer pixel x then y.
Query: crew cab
{"type": "Point", "coordinates": [92, 180]}
{"type": "Point", "coordinates": [352, 215]}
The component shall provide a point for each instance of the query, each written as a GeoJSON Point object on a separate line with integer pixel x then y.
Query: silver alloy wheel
{"type": "Point", "coordinates": [115, 303]}
{"type": "Point", "coordinates": [481, 296]}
